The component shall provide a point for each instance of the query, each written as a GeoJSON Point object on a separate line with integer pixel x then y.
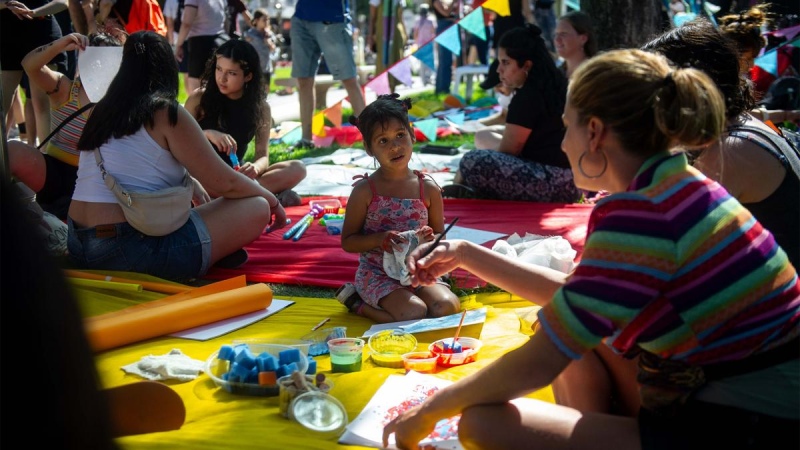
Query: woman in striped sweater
{"type": "Point", "coordinates": [675, 272]}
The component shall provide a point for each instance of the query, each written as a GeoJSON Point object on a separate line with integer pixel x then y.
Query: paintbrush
{"type": "Point", "coordinates": [455, 338]}
{"type": "Point", "coordinates": [439, 238]}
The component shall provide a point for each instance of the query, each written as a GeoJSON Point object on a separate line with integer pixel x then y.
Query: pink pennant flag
{"type": "Point", "coordinates": [788, 33]}
{"type": "Point", "coordinates": [380, 84]}
{"type": "Point", "coordinates": [402, 71]}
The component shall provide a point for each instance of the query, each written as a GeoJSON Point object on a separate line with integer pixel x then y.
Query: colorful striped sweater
{"type": "Point", "coordinates": [678, 267]}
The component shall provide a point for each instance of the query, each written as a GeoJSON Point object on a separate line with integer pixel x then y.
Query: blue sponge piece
{"type": "Point", "coordinates": [289, 356]}
{"type": "Point", "coordinates": [252, 376]}
{"type": "Point", "coordinates": [226, 353]}
{"type": "Point", "coordinates": [312, 366]}
{"type": "Point", "coordinates": [246, 358]}
{"type": "Point", "coordinates": [287, 369]}
{"type": "Point", "coordinates": [239, 371]}
{"type": "Point", "coordinates": [266, 362]}
{"type": "Point", "coordinates": [453, 348]}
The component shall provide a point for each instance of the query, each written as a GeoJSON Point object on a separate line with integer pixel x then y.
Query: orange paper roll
{"type": "Point", "coordinates": [175, 313]}
{"type": "Point", "coordinates": [148, 285]}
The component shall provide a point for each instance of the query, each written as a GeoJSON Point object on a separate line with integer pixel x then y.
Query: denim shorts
{"type": "Point", "coordinates": [312, 39]}
{"type": "Point", "coordinates": [180, 256]}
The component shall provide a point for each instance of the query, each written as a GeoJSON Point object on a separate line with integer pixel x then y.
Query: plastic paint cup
{"type": "Point", "coordinates": [423, 362]}
{"type": "Point", "coordinates": [346, 354]}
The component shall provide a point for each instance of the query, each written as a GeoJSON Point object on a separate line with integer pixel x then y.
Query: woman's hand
{"type": "Point", "coordinates": [75, 41]}
{"type": "Point", "coordinates": [443, 259]}
{"type": "Point", "coordinates": [199, 195]}
{"type": "Point", "coordinates": [19, 9]}
{"type": "Point", "coordinates": [409, 428]}
{"type": "Point", "coordinates": [224, 142]}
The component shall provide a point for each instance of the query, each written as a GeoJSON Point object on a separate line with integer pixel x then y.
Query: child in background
{"type": "Point", "coordinates": [424, 32]}
{"type": "Point", "coordinates": [386, 212]}
{"type": "Point", "coordinates": [263, 40]}
{"type": "Point", "coordinates": [231, 109]}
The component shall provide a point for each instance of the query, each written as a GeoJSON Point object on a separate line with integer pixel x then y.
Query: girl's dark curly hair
{"type": "Point", "coordinates": [526, 44]}
{"type": "Point", "coordinates": [254, 98]}
{"type": "Point", "coordinates": [385, 108]}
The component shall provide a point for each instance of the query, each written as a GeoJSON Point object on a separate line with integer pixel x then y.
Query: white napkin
{"type": "Point", "coordinates": [172, 366]}
{"type": "Point", "coordinates": [554, 252]}
{"type": "Point", "coordinates": [394, 263]}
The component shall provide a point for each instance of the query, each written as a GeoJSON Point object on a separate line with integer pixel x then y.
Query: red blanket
{"type": "Point", "coordinates": [317, 258]}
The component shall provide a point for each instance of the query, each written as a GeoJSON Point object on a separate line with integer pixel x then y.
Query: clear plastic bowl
{"type": "Point", "coordinates": [469, 351]}
{"type": "Point", "coordinates": [423, 362]}
{"type": "Point", "coordinates": [215, 368]}
{"type": "Point", "coordinates": [388, 346]}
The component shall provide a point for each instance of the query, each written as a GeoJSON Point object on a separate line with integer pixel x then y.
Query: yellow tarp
{"type": "Point", "coordinates": [216, 419]}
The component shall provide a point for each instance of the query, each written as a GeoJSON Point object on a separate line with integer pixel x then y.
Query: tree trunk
{"type": "Point", "coordinates": [625, 23]}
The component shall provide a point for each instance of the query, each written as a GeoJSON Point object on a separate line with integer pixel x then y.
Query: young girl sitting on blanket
{"type": "Point", "coordinates": [388, 214]}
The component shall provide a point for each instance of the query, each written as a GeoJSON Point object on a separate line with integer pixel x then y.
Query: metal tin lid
{"type": "Point", "coordinates": [319, 411]}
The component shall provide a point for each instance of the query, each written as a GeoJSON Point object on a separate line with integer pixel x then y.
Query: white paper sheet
{"type": "Point", "coordinates": [397, 394]}
{"type": "Point", "coordinates": [473, 235]}
{"type": "Point", "coordinates": [97, 67]}
{"type": "Point", "coordinates": [212, 330]}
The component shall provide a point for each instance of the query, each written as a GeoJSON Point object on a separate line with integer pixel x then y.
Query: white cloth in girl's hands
{"type": "Point", "coordinates": [394, 263]}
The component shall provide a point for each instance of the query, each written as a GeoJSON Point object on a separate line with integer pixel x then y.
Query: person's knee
{"type": "Point", "coordinates": [473, 429]}
{"type": "Point", "coordinates": [305, 83]}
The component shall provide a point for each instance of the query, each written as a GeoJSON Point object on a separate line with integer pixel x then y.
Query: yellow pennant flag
{"type": "Point", "coordinates": [334, 114]}
{"type": "Point", "coordinates": [318, 124]}
{"type": "Point", "coordinates": [499, 6]}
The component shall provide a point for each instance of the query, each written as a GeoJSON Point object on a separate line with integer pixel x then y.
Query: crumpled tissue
{"type": "Point", "coordinates": [172, 366]}
{"type": "Point", "coordinates": [554, 252]}
{"type": "Point", "coordinates": [394, 263]}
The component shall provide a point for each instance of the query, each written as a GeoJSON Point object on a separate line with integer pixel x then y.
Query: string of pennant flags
{"type": "Point", "coordinates": [401, 70]}
{"type": "Point", "coordinates": [450, 38]}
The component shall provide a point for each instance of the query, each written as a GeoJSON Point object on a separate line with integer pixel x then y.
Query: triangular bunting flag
{"type": "Point", "coordinates": [318, 124]}
{"type": "Point", "coordinates": [768, 62]}
{"type": "Point", "coordinates": [788, 33]}
{"type": "Point", "coordinates": [457, 118]}
{"type": "Point", "coordinates": [293, 136]}
{"type": "Point", "coordinates": [380, 84]}
{"type": "Point", "coordinates": [425, 55]}
{"type": "Point", "coordinates": [499, 6]}
{"type": "Point", "coordinates": [334, 114]}
{"type": "Point", "coordinates": [473, 22]}
{"type": "Point", "coordinates": [451, 39]}
{"type": "Point", "coordinates": [402, 71]}
{"type": "Point", "coordinates": [427, 127]}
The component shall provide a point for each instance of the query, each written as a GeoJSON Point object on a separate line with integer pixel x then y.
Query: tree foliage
{"type": "Point", "coordinates": [625, 23]}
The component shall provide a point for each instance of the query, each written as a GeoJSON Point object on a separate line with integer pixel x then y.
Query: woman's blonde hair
{"type": "Point", "coordinates": [647, 102]}
{"type": "Point", "coordinates": [745, 28]}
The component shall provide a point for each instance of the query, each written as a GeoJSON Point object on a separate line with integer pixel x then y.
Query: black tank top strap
{"type": "Point", "coordinates": [781, 147]}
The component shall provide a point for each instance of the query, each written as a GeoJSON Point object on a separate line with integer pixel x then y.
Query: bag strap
{"type": "Point", "coordinates": [109, 180]}
{"type": "Point", "coordinates": [791, 153]}
{"type": "Point", "coordinates": [64, 122]}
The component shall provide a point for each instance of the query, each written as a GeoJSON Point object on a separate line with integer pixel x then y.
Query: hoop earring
{"type": "Point", "coordinates": [580, 166]}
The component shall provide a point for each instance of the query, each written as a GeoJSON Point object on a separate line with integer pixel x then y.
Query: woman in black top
{"type": "Point", "coordinates": [528, 163]}
{"type": "Point", "coordinates": [232, 109]}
